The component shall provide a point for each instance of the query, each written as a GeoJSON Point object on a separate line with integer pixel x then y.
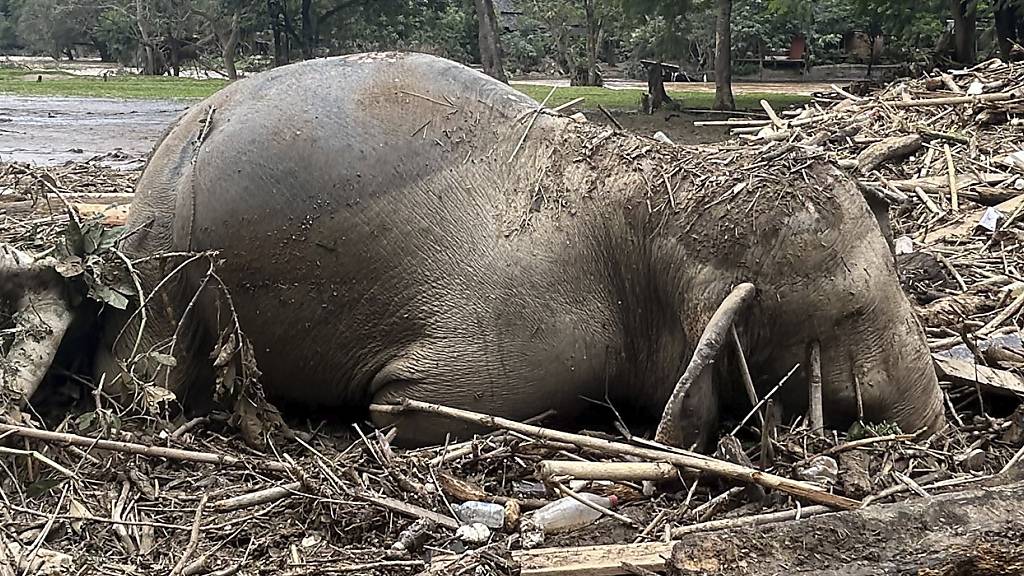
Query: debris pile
{"type": "Point", "coordinates": [115, 489]}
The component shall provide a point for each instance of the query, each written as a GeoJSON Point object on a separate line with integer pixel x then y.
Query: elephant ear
{"type": "Point", "coordinates": [715, 333]}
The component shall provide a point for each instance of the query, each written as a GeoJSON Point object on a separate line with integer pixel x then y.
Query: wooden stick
{"type": "Point", "coordinates": [678, 457]}
{"type": "Point", "coordinates": [610, 117]}
{"type": "Point", "coordinates": [411, 510]}
{"type": "Point", "coordinates": [257, 498]}
{"type": "Point", "coordinates": [568, 104]}
{"type": "Point", "coordinates": [548, 469]}
{"type": "Point", "coordinates": [954, 198]}
{"type": "Point", "coordinates": [927, 200]}
{"type": "Point", "coordinates": [142, 449]}
{"type": "Point", "coordinates": [193, 540]}
{"type": "Point", "coordinates": [707, 349]}
{"type": "Point", "coordinates": [533, 118]}
{"type": "Point", "coordinates": [953, 100]}
{"type": "Point", "coordinates": [816, 416]}
{"type": "Point", "coordinates": [732, 122]}
{"type": "Point", "coordinates": [748, 381]}
{"type": "Point", "coordinates": [772, 115]}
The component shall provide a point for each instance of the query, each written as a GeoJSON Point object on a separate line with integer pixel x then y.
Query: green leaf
{"type": "Point", "coordinates": [42, 486]}
{"type": "Point", "coordinates": [74, 238]}
{"type": "Point", "coordinates": [85, 420]}
{"type": "Point", "coordinates": [93, 234]}
{"type": "Point", "coordinates": [102, 293]}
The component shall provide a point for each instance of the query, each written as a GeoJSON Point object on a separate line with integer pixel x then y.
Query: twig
{"type": "Point", "coordinates": [755, 520]}
{"type": "Point", "coordinates": [610, 117]}
{"type": "Point", "coordinates": [257, 498]}
{"type": "Point", "coordinates": [763, 400]}
{"type": "Point", "coordinates": [748, 382]}
{"type": "Point", "coordinates": [193, 539]}
{"type": "Point", "coordinates": [678, 457]}
{"type": "Point", "coordinates": [816, 418]}
{"type": "Point", "coordinates": [954, 196]}
{"type": "Point", "coordinates": [533, 119]}
{"type": "Point", "coordinates": [143, 450]}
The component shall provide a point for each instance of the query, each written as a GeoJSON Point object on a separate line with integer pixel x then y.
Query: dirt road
{"type": "Point", "coordinates": [48, 130]}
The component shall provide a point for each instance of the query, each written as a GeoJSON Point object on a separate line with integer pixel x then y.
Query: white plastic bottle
{"type": "Point", "coordinates": [569, 513]}
{"type": "Point", "coordinates": [486, 513]}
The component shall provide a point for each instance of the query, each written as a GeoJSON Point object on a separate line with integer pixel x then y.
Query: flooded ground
{"type": "Point", "coordinates": [49, 130]}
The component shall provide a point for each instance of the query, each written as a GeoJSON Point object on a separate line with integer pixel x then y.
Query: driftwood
{"type": "Point", "coordinates": [873, 156]}
{"type": "Point", "coordinates": [972, 532]}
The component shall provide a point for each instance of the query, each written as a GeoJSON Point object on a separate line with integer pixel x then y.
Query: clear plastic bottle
{"type": "Point", "coordinates": [486, 513]}
{"type": "Point", "coordinates": [568, 513]}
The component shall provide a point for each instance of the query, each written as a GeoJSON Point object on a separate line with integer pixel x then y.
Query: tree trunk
{"type": "Point", "coordinates": [280, 39]}
{"type": "Point", "coordinates": [231, 46]}
{"type": "Point", "coordinates": [964, 13]}
{"type": "Point", "coordinates": [656, 88]}
{"type": "Point", "coordinates": [308, 33]}
{"type": "Point", "coordinates": [593, 27]}
{"type": "Point", "coordinates": [490, 43]}
{"type": "Point", "coordinates": [723, 57]}
{"type": "Point", "coordinates": [972, 532]}
{"type": "Point", "coordinates": [1008, 28]}
{"type": "Point", "coordinates": [149, 67]}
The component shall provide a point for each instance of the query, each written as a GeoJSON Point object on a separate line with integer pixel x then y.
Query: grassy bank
{"type": "Point", "coordinates": [23, 82]}
{"type": "Point", "coordinates": [630, 99]}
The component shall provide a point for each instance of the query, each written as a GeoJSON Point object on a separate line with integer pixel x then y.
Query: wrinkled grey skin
{"type": "Point", "coordinates": [379, 244]}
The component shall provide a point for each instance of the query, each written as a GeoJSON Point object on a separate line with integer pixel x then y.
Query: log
{"type": "Point", "coordinates": [876, 154]}
{"type": "Point", "coordinates": [975, 531]}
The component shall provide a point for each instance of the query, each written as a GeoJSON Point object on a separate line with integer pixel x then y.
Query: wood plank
{"type": "Point", "coordinates": [990, 379]}
{"type": "Point", "coordinates": [593, 560]}
{"type": "Point", "coordinates": [969, 222]}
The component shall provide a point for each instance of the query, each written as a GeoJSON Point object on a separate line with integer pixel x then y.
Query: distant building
{"type": "Point", "coordinates": [508, 14]}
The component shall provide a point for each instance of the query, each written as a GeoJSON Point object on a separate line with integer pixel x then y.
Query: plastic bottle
{"type": "Point", "coordinates": [486, 513]}
{"type": "Point", "coordinates": [569, 513]}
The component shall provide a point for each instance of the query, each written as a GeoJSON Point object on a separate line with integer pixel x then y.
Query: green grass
{"type": "Point", "coordinates": [630, 99]}
{"type": "Point", "coordinates": [22, 82]}
{"type": "Point", "coordinates": [58, 83]}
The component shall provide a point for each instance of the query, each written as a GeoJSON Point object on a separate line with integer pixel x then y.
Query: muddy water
{"type": "Point", "coordinates": [48, 130]}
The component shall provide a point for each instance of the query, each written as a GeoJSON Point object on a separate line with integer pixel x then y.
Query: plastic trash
{"type": "Point", "coordinates": [662, 137]}
{"type": "Point", "coordinates": [475, 533]}
{"type": "Point", "coordinates": [990, 219]}
{"type": "Point", "coordinates": [486, 513]}
{"type": "Point", "coordinates": [904, 245]}
{"type": "Point", "coordinates": [823, 470]}
{"type": "Point", "coordinates": [568, 513]}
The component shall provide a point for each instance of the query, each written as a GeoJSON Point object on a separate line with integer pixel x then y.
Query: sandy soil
{"type": "Point", "coordinates": [48, 130]}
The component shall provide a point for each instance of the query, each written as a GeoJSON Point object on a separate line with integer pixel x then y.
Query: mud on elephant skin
{"type": "Point", "coordinates": [386, 233]}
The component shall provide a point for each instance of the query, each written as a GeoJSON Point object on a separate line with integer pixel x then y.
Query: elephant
{"type": "Point", "coordinates": [395, 225]}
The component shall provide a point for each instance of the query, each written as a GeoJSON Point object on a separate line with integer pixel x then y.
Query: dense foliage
{"type": "Point", "coordinates": [570, 37]}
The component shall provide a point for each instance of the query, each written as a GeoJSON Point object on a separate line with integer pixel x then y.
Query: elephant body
{"type": "Point", "coordinates": [386, 231]}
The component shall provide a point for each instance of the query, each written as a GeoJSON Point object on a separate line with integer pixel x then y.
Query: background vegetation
{"type": "Point", "coordinates": [579, 39]}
